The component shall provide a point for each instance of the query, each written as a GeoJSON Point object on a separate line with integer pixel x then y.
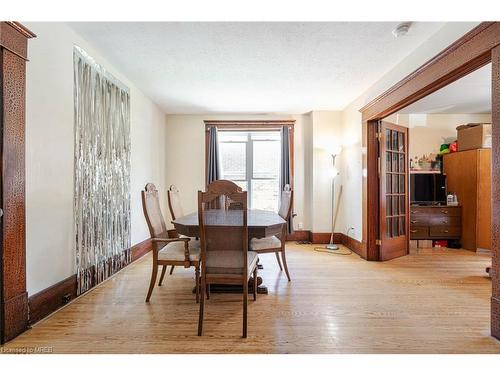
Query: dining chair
{"type": "Point", "coordinates": [276, 244]}
{"type": "Point", "coordinates": [176, 211]}
{"type": "Point", "coordinates": [174, 202]}
{"type": "Point", "coordinates": [225, 258]}
{"type": "Point", "coordinates": [166, 251]}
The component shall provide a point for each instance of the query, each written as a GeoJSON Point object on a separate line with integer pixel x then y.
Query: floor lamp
{"type": "Point", "coordinates": [335, 209]}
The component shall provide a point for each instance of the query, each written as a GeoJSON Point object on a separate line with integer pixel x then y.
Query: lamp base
{"type": "Point", "coordinates": [332, 246]}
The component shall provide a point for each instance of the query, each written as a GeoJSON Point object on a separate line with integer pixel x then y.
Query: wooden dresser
{"type": "Point", "coordinates": [435, 222]}
{"type": "Point", "coordinates": [468, 175]}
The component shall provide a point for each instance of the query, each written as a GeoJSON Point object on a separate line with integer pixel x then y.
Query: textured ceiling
{"type": "Point", "coordinates": [470, 94]}
{"type": "Point", "coordinates": [261, 67]}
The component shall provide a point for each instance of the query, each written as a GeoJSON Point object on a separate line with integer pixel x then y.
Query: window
{"type": "Point", "coordinates": [252, 160]}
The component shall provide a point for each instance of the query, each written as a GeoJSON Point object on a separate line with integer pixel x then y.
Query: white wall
{"type": "Point", "coordinates": [355, 154]}
{"type": "Point", "coordinates": [327, 135]}
{"type": "Point", "coordinates": [351, 207]}
{"type": "Point", "coordinates": [50, 151]}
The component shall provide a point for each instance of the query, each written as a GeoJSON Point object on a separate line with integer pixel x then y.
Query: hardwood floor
{"type": "Point", "coordinates": [431, 302]}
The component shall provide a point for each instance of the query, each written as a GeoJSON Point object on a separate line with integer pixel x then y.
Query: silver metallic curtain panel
{"type": "Point", "coordinates": [102, 172]}
{"type": "Point", "coordinates": [286, 171]}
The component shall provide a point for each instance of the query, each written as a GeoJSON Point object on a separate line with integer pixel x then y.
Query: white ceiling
{"type": "Point", "coordinates": [260, 67]}
{"type": "Point", "coordinates": [470, 94]}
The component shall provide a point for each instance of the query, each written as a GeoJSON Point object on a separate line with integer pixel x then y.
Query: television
{"type": "Point", "coordinates": [427, 189]}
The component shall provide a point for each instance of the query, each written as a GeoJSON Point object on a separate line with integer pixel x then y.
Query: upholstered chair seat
{"type": "Point", "coordinates": [175, 207]}
{"type": "Point", "coordinates": [225, 258]}
{"type": "Point", "coordinates": [167, 250]}
{"type": "Point", "coordinates": [272, 242]}
{"type": "Point", "coordinates": [174, 251]}
{"type": "Point", "coordinates": [230, 262]}
{"type": "Point", "coordinates": [276, 244]}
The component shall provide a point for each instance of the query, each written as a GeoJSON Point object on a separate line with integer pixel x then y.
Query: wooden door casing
{"type": "Point", "coordinates": [14, 296]}
{"type": "Point", "coordinates": [484, 205]}
{"type": "Point", "coordinates": [473, 50]}
{"type": "Point", "coordinates": [394, 197]}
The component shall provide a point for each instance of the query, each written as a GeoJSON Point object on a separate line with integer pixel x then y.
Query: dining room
{"type": "Point", "coordinates": [208, 195]}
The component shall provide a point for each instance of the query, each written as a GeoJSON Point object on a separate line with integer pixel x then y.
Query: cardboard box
{"type": "Point", "coordinates": [473, 136]}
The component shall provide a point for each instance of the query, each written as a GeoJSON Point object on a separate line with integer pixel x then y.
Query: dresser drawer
{"type": "Point", "coordinates": [444, 232]}
{"type": "Point", "coordinates": [452, 221]}
{"type": "Point", "coordinates": [418, 221]}
{"type": "Point", "coordinates": [419, 232]}
{"type": "Point", "coordinates": [441, 211]}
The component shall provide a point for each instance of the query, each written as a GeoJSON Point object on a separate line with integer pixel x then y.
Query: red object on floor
{"type": "Point", "coordinates": [440, 243]}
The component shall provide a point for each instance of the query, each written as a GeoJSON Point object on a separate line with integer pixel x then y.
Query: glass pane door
{"type": "Point", "coordinates": [395, 191]}
{"type": "Point", "coordinates": [393, 155]}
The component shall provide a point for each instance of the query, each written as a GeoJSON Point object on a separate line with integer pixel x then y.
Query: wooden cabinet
{"type": "Point", "coordinates": [468, 175]}
{"type": "Point", "coordinates": [435, 223]}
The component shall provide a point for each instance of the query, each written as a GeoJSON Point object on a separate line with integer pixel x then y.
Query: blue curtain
{"type": "Point", "coordinates": [213, 159]}
{"type": "Point", "coordinates": [286, 169]}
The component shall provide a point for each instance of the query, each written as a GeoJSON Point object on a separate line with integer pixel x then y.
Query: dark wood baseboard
{"type": "Point", "coordinates": [320, 238]}
{"type": "Point", "coordinates": [324, 238]}
{"type": "Point", "coordinates": [50, 299]}
{"type": "Point", "coordinates": [299, 235]}
{"type": "Point", "coordinates": [56, 296]}
{"type": "Point", "coordinates": [354, 245]}
{"type": "Point", "coordinates": [140, 249]}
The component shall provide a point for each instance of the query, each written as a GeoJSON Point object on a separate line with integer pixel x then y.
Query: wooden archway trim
{"type": "Point", "coordinates": [475, 49]}
{"type": "Point", "coordinates": [470, 52]}
{"type": "Point", "coordinates": [13, 294]}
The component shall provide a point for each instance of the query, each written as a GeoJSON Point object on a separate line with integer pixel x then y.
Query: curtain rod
{"type": "Point", "coordinates": [249, 122]}
{"type": "Point", "coordinates": [246, 128]}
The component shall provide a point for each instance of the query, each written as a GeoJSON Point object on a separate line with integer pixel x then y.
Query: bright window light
{"type": "Point", "coordinates": [252, 160]}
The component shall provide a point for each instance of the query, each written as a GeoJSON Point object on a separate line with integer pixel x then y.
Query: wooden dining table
{"type": "Point", "coordinates": [261, 223]}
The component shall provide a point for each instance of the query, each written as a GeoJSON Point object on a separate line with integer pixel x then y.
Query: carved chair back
{"type": "Point", "coordinates": [233, 236]}
{"type": "Point", "coordinates": [285, 209]}
{"type": "Point", "coordinates": [174, 202]}
{"type": "Point", "coordinates": [152, 211]}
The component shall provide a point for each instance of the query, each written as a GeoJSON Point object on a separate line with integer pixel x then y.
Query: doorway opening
{"type": "Point", "coordinates": [471, 52]}
{"type": "Point", "coordinates": [449, 167]}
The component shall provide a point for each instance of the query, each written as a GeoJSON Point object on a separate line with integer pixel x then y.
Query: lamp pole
{"type": "Point", "coordinates": [331, 245]}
